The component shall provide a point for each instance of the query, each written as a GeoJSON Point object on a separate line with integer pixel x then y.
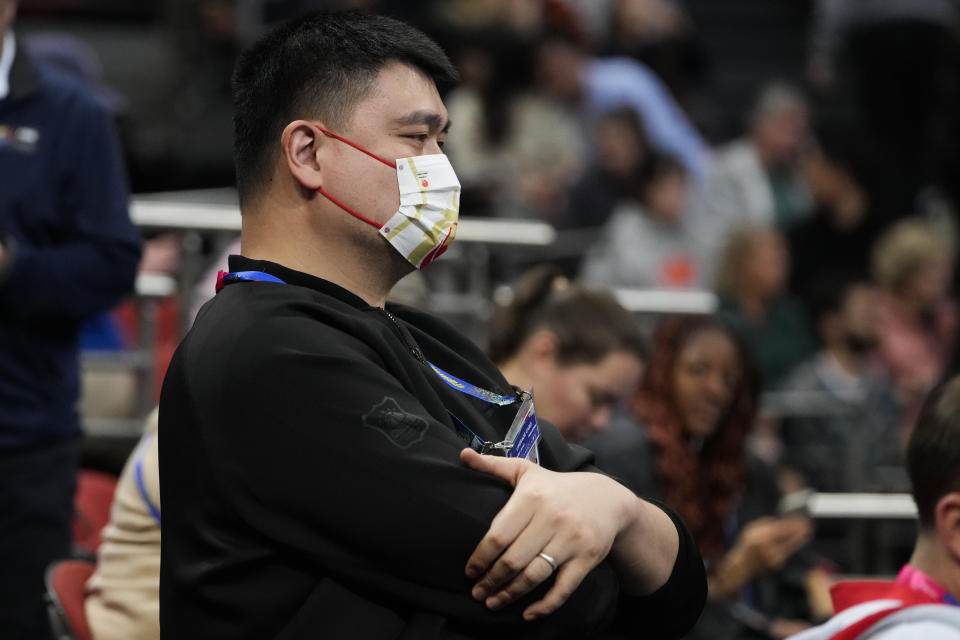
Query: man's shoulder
{"type": "Point", "coordinates": [927, 621]}
{"type": "Point", "coordinates": [67, 91]}
{"type": "Point", "coordinates": [256, 320]}
{"type": "Point", "coordinates": [873, 609]}
{"type": "Point", "coordinates": [249, 341]}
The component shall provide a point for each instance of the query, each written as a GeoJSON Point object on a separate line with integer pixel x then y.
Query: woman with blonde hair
{"type": "Point", "coordinates": [913, 263]}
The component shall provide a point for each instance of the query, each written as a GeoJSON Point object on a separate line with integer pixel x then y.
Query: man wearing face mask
{"type": "Point", "coordinates": [841, 430]}
{"type": "Point", "coordinates": [321, 465]}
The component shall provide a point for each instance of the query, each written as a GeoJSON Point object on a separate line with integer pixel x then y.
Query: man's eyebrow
{"type": "Point", "coordinates": [432, 119]}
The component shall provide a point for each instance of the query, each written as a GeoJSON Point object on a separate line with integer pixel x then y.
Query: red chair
{"type": "Point", "coordinates": [66, 590]}
{"type": "Point", "coordinates": [92, 504]}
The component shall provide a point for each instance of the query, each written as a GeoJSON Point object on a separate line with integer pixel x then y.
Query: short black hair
{"type": "Point", "coordinates": [661, 164]}
{"type": "Point", "coordinates": [318, 67]}
{"type": "Point", "coordinates": [933, 451]}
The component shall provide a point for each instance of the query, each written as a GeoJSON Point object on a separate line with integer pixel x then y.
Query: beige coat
{"type": "Point", "coordinates": [123, 595]}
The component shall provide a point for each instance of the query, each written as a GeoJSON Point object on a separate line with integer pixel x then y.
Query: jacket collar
{"type": "Point", "coordinates": [298, 278]}
{"type": "Point", "coordinates": [24, 75]}
{"type": "Point", "coordinates": [850, 593]}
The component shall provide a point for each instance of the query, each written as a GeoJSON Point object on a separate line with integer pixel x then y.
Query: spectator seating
{"type": "Point", "coordinates": [92, 503]}
{"type": "Point", "coordinates": [66, 582]}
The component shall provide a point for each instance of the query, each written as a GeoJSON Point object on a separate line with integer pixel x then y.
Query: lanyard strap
{"type": "Point", "coordinates": [471, 389]}
{"type": "Point", "coordinates": [466, 434]}
{"type": "Point", "coordinates": [224, 278]}
{"type": "Point", "coordinates": [919, 581]}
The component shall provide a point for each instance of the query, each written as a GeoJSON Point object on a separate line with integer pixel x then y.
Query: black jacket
{"type": "Point", "coordinates": [312, 486]}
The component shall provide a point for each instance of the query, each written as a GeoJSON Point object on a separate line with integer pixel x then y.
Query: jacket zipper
{"type": "Point", "coordinates": [519, 394]}
{"type": "Point", "coordinates": [417, 353]}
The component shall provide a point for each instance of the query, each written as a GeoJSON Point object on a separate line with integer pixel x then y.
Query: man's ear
{"type": "Point", "coordinates": [301, 142]}
{"type": "Point", "coordinates": [947, 523]}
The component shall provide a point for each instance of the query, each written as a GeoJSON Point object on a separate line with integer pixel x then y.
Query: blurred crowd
{"type": "Point", "coordinates": [824, 217]}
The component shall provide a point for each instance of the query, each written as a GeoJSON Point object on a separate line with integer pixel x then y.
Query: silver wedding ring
{"type": "Point", "coordinates": [550, 560]}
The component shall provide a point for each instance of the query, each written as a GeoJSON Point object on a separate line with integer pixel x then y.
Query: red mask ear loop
{"type": "Point", "coordinates": [392, 165]}
{"type": "Point", "coordinates": [348, 209]}
{"type": "Point", "coordinates": [337, 202]}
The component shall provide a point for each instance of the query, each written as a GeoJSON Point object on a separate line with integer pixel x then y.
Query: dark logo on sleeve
{"type": "Point", "coordinates": [401, 428]}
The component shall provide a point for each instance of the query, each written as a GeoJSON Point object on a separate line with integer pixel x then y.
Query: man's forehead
{"type": "Point", "coordinates": [408, 89]}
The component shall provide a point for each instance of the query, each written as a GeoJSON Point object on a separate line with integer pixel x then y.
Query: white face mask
{"type": "Point", "coordinates": [425, 224]}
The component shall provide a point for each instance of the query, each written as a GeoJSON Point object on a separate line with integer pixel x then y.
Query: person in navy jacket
{"type": "Point", "coordinates": [68, 251]}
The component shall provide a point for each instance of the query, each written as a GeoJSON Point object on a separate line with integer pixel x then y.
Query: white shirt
{"type": "Point", "coordinates": [926, 622]}
{"type": "Point", "coordinates": [6, 61]}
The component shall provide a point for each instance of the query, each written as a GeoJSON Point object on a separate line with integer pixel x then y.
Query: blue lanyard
{"type": "Point", "coordinates": [466, 434]}
{"type": "Point", "coordinates": [224, 278]}
{"type": "Point", "coordinates": [472, 389]}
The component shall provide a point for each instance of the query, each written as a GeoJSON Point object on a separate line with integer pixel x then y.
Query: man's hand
{"type": "Point", "coordinates": [574, 518]}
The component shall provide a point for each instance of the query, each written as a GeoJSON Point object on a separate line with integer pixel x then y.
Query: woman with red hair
{"type": "Point", "coordinates": [695, 406]}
